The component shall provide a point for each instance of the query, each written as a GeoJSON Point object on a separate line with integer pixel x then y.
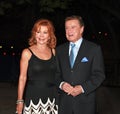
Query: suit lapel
{"type": "Point", "coordinates": [80, 54]}
{"type": "Point", "coordinates": [66, 54]}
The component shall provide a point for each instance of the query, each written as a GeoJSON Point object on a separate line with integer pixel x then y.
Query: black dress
{"type": "Point", "coordinates": [40, 92]}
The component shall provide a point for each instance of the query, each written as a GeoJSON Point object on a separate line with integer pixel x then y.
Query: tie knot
{"type": "Point", "coordinates": [72, 45]}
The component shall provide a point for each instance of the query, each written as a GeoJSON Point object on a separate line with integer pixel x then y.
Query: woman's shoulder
{"type": "Point", "coordinates": [26, 53]}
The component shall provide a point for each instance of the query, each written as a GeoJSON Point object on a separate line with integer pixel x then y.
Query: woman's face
{"type": "Point", "coordinates": [42, 36]}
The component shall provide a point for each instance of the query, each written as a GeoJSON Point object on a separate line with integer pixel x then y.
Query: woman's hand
{"type": "Point", "coordinates": [19, 108]}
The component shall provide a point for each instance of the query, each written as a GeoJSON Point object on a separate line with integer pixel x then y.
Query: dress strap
{"type": "Point", "coordinates": [30, 50]}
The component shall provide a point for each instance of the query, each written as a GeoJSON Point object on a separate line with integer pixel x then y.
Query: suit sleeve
{"type": "Point", "coordinates": [97, 74]}
{"type": "Point", "coordinates": [58, 78]}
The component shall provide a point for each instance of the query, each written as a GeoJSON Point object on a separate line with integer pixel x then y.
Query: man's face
{"type": "Point", "coordinates": [73, 30]}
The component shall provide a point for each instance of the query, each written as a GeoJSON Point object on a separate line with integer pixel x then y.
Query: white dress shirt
{"type": "Point", "coordinates": [76, 48]}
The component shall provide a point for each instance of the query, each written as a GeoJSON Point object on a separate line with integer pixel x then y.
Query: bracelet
{"type": "Point", "coordinates": [19, 101]}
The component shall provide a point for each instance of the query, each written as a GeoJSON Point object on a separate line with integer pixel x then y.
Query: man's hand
{"type": "Point", "coordinates": [70, 90]}
{"type": "Point", "coordinates": [76, 90]}
{"type": "Point", "coordinates": [66, 87]}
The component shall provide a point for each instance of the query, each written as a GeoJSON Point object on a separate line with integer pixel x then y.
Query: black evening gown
{"type": "Point", "coordinates": [40, 92]}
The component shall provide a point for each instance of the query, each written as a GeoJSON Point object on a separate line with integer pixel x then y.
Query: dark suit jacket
{"type": "Point", "coordinates": [88, 71]}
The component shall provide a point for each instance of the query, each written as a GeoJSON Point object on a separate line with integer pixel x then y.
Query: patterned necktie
{"type": "Point", "coordinates": [71, 57]}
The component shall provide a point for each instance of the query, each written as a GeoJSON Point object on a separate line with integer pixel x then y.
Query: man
{"type": "Point", "coordinates": [80, 81]}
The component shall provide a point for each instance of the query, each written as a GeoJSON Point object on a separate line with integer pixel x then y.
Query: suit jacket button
{"type": "Point", "coordinates": [71, 70]}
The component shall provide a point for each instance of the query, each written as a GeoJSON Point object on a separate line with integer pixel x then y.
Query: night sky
{"type": "Point", "coordinates": [102, 21]}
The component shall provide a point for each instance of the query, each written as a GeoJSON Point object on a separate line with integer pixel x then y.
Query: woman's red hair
{"type": "Point", "coordinates": [51, 31]}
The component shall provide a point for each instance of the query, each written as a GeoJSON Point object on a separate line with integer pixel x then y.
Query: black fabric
{"type": "Point", "coordinates": [41, 80]}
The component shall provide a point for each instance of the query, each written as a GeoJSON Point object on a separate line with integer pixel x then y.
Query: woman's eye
{"type": "Point", "coordinates": [37, 32]}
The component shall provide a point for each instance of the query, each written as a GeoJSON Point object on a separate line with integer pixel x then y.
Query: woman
{"type": "Point", "coordinates": [36, 89]}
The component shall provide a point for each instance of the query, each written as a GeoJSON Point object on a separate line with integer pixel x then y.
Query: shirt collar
{"type": "Point", "coordinates": [78, 42]}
